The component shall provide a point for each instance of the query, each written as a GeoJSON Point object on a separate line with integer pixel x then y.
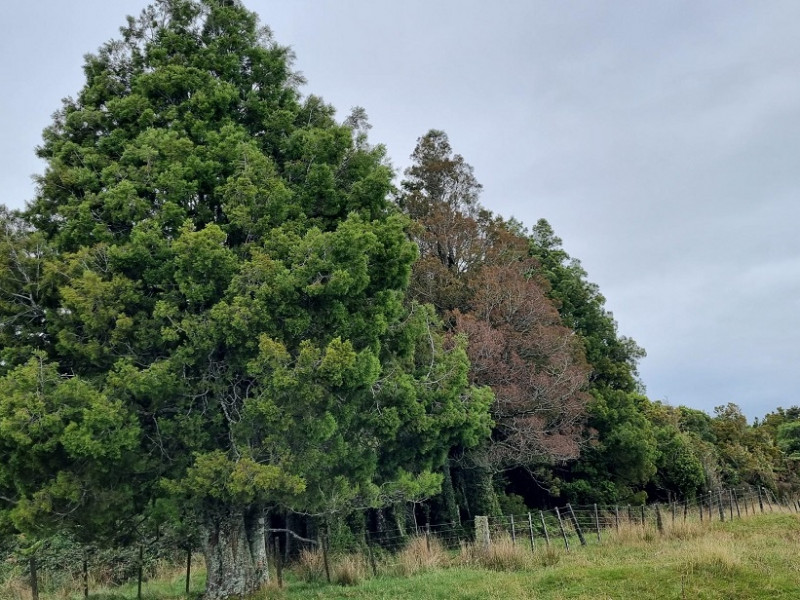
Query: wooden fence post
{"type": "Point", "coordinates": [544, 529]}
{"type": "Point", "coordinates": [34, 579]}
{"type": "Point", "coordinates": [597, 521]}
{"type": "Point", "coordinates": [513, 530]}
{"type": "Point", "coordinates": [577, 525]}
{"type": "Point", "coordinates": [85, 575]}
{"type": "Point", "coordinates": [760, 499]}
{"type": "Point", "coordinates": [561, 526]}
{"type": "Point", "coordinates": [659, 522]}
{"type": "Point", "coordinates": [188, 568]}
{"type": "Point", "coordinates": [530, 530]}
{"type": "Point", "coordinates": [279, 563]}
{"type": "Point", "coordinates": [720, 507]}
{"type": "Point", "coordinates": [644, 519]}
{"type": "Point", "coordinates": [324, 542]}
{"type": "Point", "coordinates": [140, 570]}
{"type": "Point", "coordinates": [368, 541]}
{"type": "Point", "coordinates": [616, 517]}
{"type": "Point", "coordinates": [428, 536]}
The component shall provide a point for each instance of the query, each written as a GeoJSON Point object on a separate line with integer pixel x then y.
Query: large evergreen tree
{"type": "Point", "coordinates": [208, 302]}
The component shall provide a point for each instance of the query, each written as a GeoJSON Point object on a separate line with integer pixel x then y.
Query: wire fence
{"type": "Point", "coordinates": [404, 546]}
{"type": "Point", "coordinates": [560, 528]}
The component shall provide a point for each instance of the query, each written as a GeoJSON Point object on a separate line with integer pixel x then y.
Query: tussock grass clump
{"type": "Point", "coordinates": [349, 570]}
{"type": "Point", "coordinates": [684, 530]}
{"type": "Point", "coordinates": [635, 533]}
{"type": "Point", "coordinates": [420, 555]}
{"type": "Point", "coordinates": [14, 588]}
{"type": "Point", "coordinates": [310, 566]}
{"type": "Point", "coordinates": [501, 555]}
{"type": "Point", "coordinates": [548, 557]}
{"type": "Point", "coordinates": [712, 555]}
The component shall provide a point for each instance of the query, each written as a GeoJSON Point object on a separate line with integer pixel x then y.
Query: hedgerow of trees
{"type": "Point", "coordinates": [219, 310]}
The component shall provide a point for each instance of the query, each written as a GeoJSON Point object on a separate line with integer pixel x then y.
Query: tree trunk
{"type": "Point", "coordinates": [486, 502]}
{"type": "Point", "coordinates": [234, 546]}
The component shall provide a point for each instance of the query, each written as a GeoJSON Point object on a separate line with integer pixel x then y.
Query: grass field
{"type": "Point", "coordinates": [756, 557]}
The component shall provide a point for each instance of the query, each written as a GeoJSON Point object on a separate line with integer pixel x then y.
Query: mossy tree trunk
{"type": "Point", "coordinates": [234, 546]}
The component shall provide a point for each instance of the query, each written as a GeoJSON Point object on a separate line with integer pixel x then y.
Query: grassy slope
{"type": "Point", "coordinates": [752, 558]}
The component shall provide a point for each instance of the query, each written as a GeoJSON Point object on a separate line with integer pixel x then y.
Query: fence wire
{"type": "Point", "coordinates": [401, 546]}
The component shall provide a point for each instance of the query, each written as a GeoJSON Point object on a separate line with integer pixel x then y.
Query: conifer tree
{"type": "Point", "coordinates": [219, 318]}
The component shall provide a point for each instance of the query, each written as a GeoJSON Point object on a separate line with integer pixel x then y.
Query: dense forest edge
{"type": "Point", "coordinates": [223, 314]}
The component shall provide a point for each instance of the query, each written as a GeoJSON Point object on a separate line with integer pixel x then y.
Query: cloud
{"type": "Point", "coordinates": [659, 139]}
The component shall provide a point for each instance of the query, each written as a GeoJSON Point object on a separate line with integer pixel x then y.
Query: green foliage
{"type": "Point", "coordinates": [64, 444]}
{"type": "Point", "coordinates": [623, 457]}
{"type": "Point", "coordinates": [788, 436]}
{"type": "Point", "coordinates": [582, 306]}
{"type": "Point", "coordinates": [212, 285]}
{"type": "Point", "coordinates": [512, 504]}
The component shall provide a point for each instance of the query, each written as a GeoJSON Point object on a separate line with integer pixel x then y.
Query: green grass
{"type": "Point", "coordinates": [744, 559]}
{"type": "Point", "coordinates": [752, 558]}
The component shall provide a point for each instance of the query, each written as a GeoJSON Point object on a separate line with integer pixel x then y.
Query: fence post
{"type": "Point", "coordinates": [630, 515]}
{"type": "Point", "coordinates": [85, 575]}
{"type": "Point", "coordinates": [368, 540]}
{"type": "Point", "coordinates": [530, 530]}
{"type": "Point", "coordinates": [672, 508]}
{"type": "Point", "coordinates": [616, 517]}
{"type": "Point", "coordinates": [188, 567]}
{"type": "Point", "coordinates": [766, 495]}
{"type": "Point", "coordinates": [324, 543]}
{"type": "Point", "coordinates": [482, 531]}
{"type": "Point", "coordinates": [685, 510]}
{"type": "Point", "coordinates": [34, 579]}
{"type": "Point", "coordinates": [760, 499]}
{"type": "Point", "coordinates": [659, 522]}
{"type": "Point", "coordinates": [644, 520]}
{"type": "Point", "coordinates": [140, 569]}
{"type": "Point", "coordinates": [561, 526]}
{"type": "Point", "coordinates": [721, 507]}
{"type": "Point", "coordinates": [577, 525]}
{"type": "Point", "coordinates": [428, 536]}
{"type": "Point", "coordinates": [735, 501]}
{"type": "Point", "coordinates": [279, 563]}
{"type": "Point", "coordinates": [700, 506]}
{"type": "Point", "coordinates": [597, 521]}
{"type": "Point", "coordinates": [544, 529]}
{"type": "Point", "coordinates": [710, 506]}
{"type": "Point", "coordinates": [730, 502]}
{"type": "Point", "coordinates": [513, 530]}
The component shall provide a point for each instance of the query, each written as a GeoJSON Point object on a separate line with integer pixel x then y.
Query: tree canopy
{"type": "Point", "coordinates": [206, 302]}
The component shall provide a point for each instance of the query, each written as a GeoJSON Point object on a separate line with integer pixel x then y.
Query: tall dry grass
{"type": "Point", "coordinates": [502, 554]}
{"type": "Point", "coordinates": [421, 554]}
{"type": "Point", "coordinates": [310, 566]}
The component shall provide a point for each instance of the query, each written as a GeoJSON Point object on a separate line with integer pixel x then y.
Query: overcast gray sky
{"type": "Point", "coordinates": [660, 139]}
